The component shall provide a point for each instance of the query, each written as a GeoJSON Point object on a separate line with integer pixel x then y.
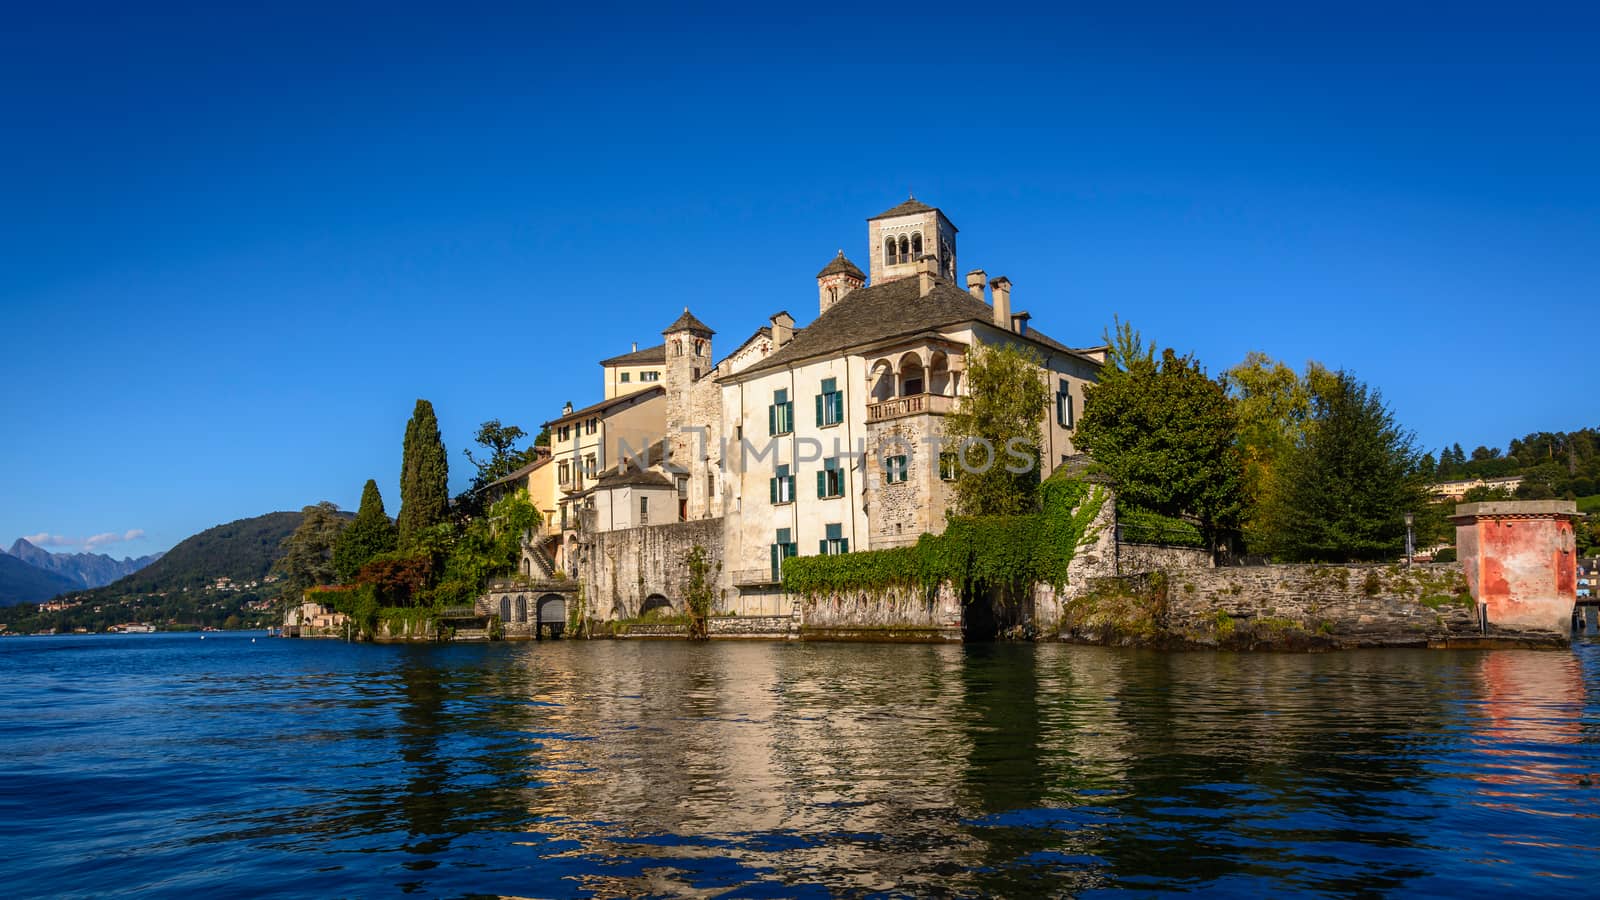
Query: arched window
{"type": "Point", "coordinates": [833, 295]}
{"type": "Point", "coordinates": [677, 348]}
{"type": "Point", "coordinates": [888, 252]}
{"type": "Point", "coordinates": [905, 249]}
{"type": "Point", "coordinates": [916, 244]}
{"type": "Point", "coordinates": [699, 348]}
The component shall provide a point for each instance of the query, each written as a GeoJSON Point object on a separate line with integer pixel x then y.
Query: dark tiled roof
{"type": "Point", "coordinates": [631, 476]}
{"type": "Point", "coordinates": [687, 322]}
{"type": "Point", "coordinates": [912, 205]}
{"type": "Point", "coordinates": [887, 310]}
{"type": "Point", "coordinates": [645, 357]}
{"type": "Point", "coordinates": [604, 405]}
{"type": "Point", "coordinates": [840, 264]}
{"type": "Point", "coordinates": [628, 471]}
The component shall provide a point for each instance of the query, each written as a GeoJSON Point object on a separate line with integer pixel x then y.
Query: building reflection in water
{"type": "Point", "coordinates": [639, 767]}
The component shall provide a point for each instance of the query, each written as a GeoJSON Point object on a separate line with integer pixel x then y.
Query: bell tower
{"type": "Point", "coordinates": [898, 237]}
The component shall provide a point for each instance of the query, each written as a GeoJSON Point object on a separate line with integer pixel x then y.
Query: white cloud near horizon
{"type": "Point", "coordinates": [45, 539]}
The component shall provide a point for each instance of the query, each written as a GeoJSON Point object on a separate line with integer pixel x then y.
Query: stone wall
{"type": "Point", "coordinates": [619, 570]}
{"type": "Point", "coordinates": [1287, 607]}
{"type": "Point", "coordinates": [898, 613]}
{"type": "Point", "coordinates": [1133, 559]}
{"type": "Point", "coordinates": [753, 627]}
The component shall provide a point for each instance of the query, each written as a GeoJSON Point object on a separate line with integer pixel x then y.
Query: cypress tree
{"type": "Point", "coordinates": [424, 475]}
{"type": "Point", "coordinates": [370, 534]}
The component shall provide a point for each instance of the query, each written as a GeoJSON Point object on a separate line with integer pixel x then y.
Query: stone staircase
{"type": "Point", "coordinates": [543, 563]}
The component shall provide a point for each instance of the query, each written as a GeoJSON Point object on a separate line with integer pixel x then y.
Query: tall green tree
{"type": "Point", "coordinates": [307, 559]}
{"type": "Point", "coordinates": [1345, 489]}
{"type": "Point", "coordinates": [370, 534]}
{"type": "Point", "coordinates": [994, 432]}
{"type": "Point", "coordinates": [424, 475]}
{"type": "Point", "coordinates": [1273, 404]}
{"type": "Point", "coordinates": [1166, 433]}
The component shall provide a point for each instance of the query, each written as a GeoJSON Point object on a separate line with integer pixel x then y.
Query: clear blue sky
{"type": "Point", "coordinates": [236, 247]}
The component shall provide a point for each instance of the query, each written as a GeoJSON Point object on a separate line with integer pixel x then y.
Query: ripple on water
{"type": "Point", "coordinates": [160, 765]}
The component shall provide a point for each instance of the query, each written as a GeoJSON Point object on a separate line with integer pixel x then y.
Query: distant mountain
{"type": "Point", "coordinates": [22, 583]}
{"type": "Point", "coordinates": [87, 570]}
{"type": "Point", "coordinates": [241, 551]}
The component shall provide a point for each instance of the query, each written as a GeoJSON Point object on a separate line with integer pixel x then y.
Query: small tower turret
{"type": "Point", "coordinates": [837, 279]}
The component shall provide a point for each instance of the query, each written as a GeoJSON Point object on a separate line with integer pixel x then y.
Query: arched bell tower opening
{"type": "Point", "coordinates": [899, 237]}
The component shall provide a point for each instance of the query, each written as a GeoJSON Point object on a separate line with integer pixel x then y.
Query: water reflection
{"type": "Point", "coordinates": [623, 768]}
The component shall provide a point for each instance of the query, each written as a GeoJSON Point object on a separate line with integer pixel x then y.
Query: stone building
{"type": "Point", "coordinates": [822, 439]}
{"type": "Point", "coordinates": [834, 438]}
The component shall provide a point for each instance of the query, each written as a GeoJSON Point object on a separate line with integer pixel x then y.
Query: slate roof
{"type": "Point", "coordinates": [687, 322]}
{"type": "Point", "coordinates": [627, 471]}
{"type": "Point", "coordinates": [840, 264]}
{"type": "Point", "coordinates": [912, 205]}
{"type": "Point", "coordinates": [882, 311]}
{"type": "Point", "coordinates": [645, 357]}
{"type": "Point", "coordinates": [604, 405]}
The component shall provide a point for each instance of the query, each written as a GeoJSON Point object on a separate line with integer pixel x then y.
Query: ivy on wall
{"type": "Point", "coordinates": [974, 553]}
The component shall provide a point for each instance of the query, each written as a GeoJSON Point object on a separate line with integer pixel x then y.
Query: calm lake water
{"type": "Point", "coordinates": [171, 765]}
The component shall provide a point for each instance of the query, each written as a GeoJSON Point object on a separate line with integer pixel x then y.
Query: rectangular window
{"type": "Point", "coordinates": [830, 480]}
{"type": "Point", "coordinates": [780, 415]}
{"type": "Point", "coordinates": [894, 469]}
{"type": "Point", "coordinates": [1063, 405]}
{"type": "Point", "coordinates": [589, 466]}
{"type": "Point", "coordinates": [783, 548]}
{"type": "Point", "coordinates": [782, 486]}
{"type": "Point", "coordinates": [830, 403]}
{"type": "Point", "coordinates": [651, 375]}
{"type": "Point", "coordinates": [627, 377]}
{"type": "Point", "coordinates": [589, 426]}
{"type": "Point", "coordinates": [949, 466]}
{"type": "Point", "coordinates": [644, 510]}
{"type": "Point", "coordinates": [835, 542]}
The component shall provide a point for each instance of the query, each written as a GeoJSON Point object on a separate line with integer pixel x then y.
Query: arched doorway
{"type": "Point", "coordinates": [655, 602]}
{"type": "Point", "coordinates": [552, 613]}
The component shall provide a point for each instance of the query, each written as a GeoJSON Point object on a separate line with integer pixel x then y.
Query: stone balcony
{"type": "Point", "coordinates": [914, 405]}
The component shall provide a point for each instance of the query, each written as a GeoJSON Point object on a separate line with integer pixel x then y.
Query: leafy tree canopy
{"type": "Point", "coordinates": [1345, 488]}
{"type": "Point", "coordinates": [1165, 432]}
{"type": "Point", "coordinates": [307, 559]}
{"type": "Point", "coordinates": [994, 432]}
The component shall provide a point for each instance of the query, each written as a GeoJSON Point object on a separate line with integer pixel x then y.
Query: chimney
{"type": "Point", "coordinates": [927, 267]}
{"type": "Point", "coordinates": [1019, 322]}
{"type": "Point", "coordinates": [782, 329]}
{"type": "Point", "coordinates": [567, 410]}
{"type": "Point", "coordinates": [1002, 301]}
{"type": "Point", "coordinates": [636, 346]}
{"type": "Point", "coordinates": [975, 280]}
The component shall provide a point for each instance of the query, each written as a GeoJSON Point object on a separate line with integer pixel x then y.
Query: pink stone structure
{"type": "Point", "coordinates": [1521, 561]}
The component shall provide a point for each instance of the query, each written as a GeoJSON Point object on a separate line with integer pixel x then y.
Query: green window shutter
{"type": "Point", "coordinates": [819, 409]}
{"type": "Point", "coordinates": [844, 545]}
{"type": "Point", "coordinates": [838, 406]}
{"type": "Point", "coordinates": [791, 487]}
{"type": "Point", "coordinates": [822, 484]}
{"type": "Point", "coordinates": [834, 532]}
{"type": "Point", "coordinates": [829, 385]}
{"type": "Point", "coordinates": [822, 548]}
{"type": "Point", "coordinates": [772, 484]}
{"type": "Point", "coordinates": [772, 419]}
{"type": "Point", "coordinates": [774, 560]}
